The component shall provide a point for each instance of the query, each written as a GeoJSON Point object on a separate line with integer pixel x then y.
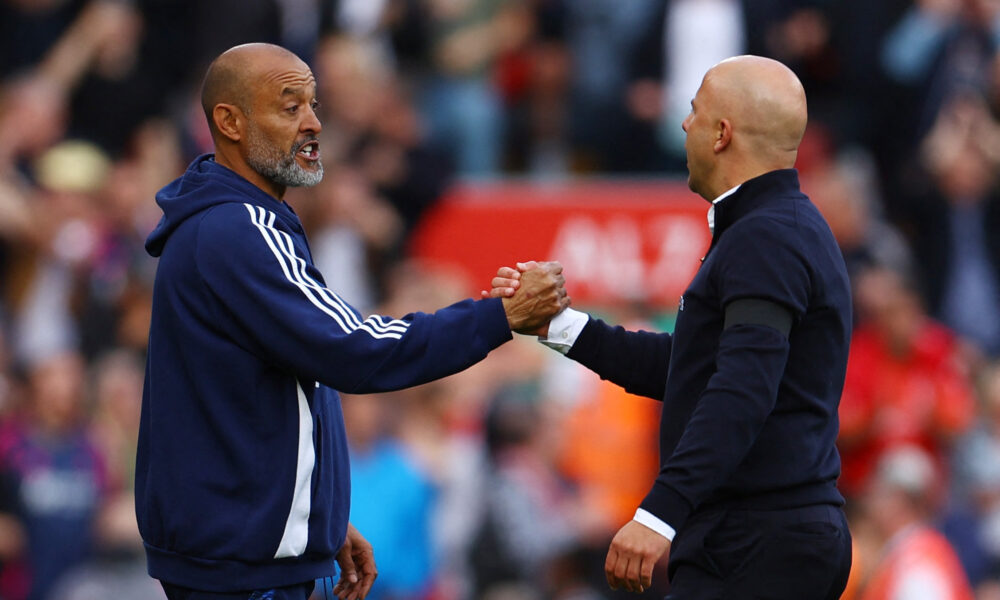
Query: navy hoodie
{"type": "Point", "coordinates": [242, 478]}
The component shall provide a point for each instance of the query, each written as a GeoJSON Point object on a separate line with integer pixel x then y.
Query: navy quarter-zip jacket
{"type": "Point", "coordinates": [242, 477]}
{"type": "Point", "coordinates": [749, 415]}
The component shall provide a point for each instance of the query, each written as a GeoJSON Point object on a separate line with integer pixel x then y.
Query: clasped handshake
{"type": "Point", "coordinates": [532, 294]}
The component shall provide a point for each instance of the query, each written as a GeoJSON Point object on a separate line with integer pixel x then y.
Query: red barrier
{"type": "Point", "coordinates": [619, 241]}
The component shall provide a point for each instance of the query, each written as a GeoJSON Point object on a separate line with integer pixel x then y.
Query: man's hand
{"type": "Point", "coordinates": [507, 281]}
{"type": "Point", "coordinates": [634, 552]}
{"type": "Point", "coordinates": [540, 295]}
{"type": "Point", "coordinates": [355, 556]}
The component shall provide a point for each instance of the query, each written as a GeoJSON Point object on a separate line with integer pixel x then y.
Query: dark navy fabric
{"type": "Point", "coordinates": [749, 415]}
{"type": "Point", "coordinates": [733, 554]}
{"type": "Point", "coordinates": [239, 414]}
{"type": "Point", "coordinates": [291, 592]}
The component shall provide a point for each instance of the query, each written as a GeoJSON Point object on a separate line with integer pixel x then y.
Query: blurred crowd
{"type": "Point", "coordinates": [508, 480]}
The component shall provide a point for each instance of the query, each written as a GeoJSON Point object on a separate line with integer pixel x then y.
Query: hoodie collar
{"type": "Point", "coordinates": [203, 185]}
{"type": "Point", "coordinates": [206, 166]}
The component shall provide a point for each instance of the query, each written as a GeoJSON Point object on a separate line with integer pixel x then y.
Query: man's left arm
{"type": "Point", "coordinates": [721, 431]}
{"type": "Point", "coordinates": [357, 567]}
{"type": "Point", "coordinates": [765, 288]}
{"type": "Point", "coordinates": [726, 421]}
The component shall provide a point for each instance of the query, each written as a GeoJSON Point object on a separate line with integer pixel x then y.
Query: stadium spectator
{"type": "Point", "coordinates": [845, 189]}
{"type": "Point", "coordinates": [460, 102]}
{"type": "Point", "coordinates": [686, 61]}
{"type": "Point", "coordinates": [912, 560]}
{"type": "Point", "coordinates": [538, 132]}
{"type": "Point", "coordinates": [116, 568]}
{"type": "Point", "coordinates": [355, 233]}
{"type": "Point", "coordinates": [440, 425]}
{"type": "Point", "coordinates": [949, 210]}
{"type": "Point", "coordinates": [940, 48]}
{"type": "Point", "coordinates": [13, 566]}
{"type": "Point", "coordinates": [58, 472]}
{"type": "Point", "coordinates": [612, 469]}
{"type": "Point", "coordinates": [977, 479]}
{"type": "Point", "coordinates": [392, 500]}
{"type": "Point", "coordinates": [117, 392]}
{"type": "Point", "coordinates": [373, 128]}
{"type": "Point", "coordinates": [906, 381]}
{"type": "Point", "coordinates": [602, 37]}
{"type": "Point", "coordinates": [528, 509]}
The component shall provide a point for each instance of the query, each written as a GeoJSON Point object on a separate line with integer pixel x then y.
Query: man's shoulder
{"type": "Point", "coordinates": [765, 227]}
{"type": "Point", "coordinates": [229, 220]}
{"type": "Point", "coordinates": [236, 231]}
{"type": "Point", "coordinates": [233, 211]}
{"type": "Point", "coordinates": [791, 220]}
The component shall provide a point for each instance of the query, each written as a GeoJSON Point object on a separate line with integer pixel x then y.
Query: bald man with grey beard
{"type": "Point", "coordinates": [242, 477]}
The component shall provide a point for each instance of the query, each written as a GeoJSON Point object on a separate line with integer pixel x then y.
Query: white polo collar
{"type": "Point", "coordinates": [711, 209]}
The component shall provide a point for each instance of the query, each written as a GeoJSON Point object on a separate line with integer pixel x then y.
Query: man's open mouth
{"type": "Point", "coordinates": [310, 151]}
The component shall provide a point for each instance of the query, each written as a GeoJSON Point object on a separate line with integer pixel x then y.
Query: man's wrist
{"type": "Point", "coordinates": [564, 329]}
{"type": "Point", "coordinates": [644, 517]}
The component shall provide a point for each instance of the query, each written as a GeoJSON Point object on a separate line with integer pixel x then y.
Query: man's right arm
{"type": "Point", "coordinates": [276, 305]}
{"type": "Point", "coordinates": [635, 360]}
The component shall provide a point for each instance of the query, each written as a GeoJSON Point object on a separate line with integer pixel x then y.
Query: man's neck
{"type": "Point", "coordinates": [726, 193]}
{"type": "Point", "coordinates": [241, 168]}
{"type": "Point", "coordinates": [737, 176]}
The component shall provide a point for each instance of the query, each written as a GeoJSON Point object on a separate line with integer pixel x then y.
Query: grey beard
{"type": "Point", "coordinates": [281, 169]}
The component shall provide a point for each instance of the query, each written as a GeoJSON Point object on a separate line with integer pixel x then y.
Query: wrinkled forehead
{"type": "Point", "coordinates": [285, 77]}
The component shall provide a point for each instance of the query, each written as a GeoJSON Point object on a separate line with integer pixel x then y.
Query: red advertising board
{"type": "Point", "coordinates": [619, 241]}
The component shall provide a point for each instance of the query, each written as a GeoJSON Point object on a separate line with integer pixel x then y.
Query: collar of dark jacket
{"type": "Point", "coordinates": [752, 194]}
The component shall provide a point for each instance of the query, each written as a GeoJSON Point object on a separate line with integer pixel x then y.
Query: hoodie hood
{"type": "Point", "coordinates": [205, 184]}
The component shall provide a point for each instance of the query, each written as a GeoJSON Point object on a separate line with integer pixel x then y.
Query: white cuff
{"type": "Point", "coordinates": [644, 517]}
{"type": "Point", "coordinates": [564, 328]}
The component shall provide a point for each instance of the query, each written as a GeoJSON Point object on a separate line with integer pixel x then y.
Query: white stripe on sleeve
{"type": "Point", "coordinates": [326, 294]}
{"type": "Point", "coordinates": [294, 269]}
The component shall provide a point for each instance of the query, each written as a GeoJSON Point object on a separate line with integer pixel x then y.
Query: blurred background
{"type": "Point", "coordinates": [460, 135]}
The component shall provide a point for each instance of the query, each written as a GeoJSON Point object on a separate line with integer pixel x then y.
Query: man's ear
{"type": "Point", "coordinates": [723, 135]}
{"type": "Point", "coordinates": [228, 120]}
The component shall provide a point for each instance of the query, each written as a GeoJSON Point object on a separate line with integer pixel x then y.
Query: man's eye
{"type": "Point", "coordinates": [293, 109]}
{"type": "Point", "coordinates": [315, 104]}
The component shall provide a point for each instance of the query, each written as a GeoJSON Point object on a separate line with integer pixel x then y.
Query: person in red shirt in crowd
{"type": "Point", "coordinates": [906, 381]}
{"type": "Point", "coordinates": [904, 558]}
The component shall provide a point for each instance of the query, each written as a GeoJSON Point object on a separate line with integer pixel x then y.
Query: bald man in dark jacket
{"type": "Point", "coordinates": [751, 377]}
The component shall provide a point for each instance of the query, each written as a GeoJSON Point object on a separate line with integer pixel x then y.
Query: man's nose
{"type": "Point", "coordinates": [311, 124]}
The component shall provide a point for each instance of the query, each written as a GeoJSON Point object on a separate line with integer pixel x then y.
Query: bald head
{"type": "Point", "coordinates": [260, 101]}
{"type": "Point", "coordinates": [766, 104]}
{"type": "Point", "coordinates": [747, 119]}
{"type": "Point", "coordinates": [232, 77]}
